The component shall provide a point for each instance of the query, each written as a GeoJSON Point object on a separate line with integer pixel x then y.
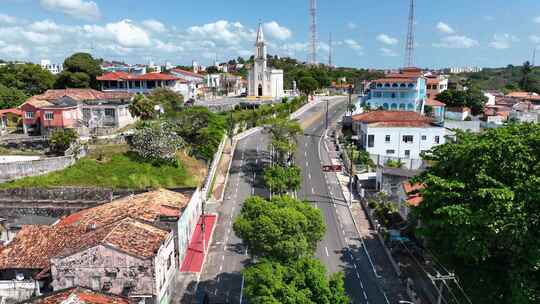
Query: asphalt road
{"type": "Point", "coordinates": [341, 249]}
{"type": "Point", "coordinates": [221, 279]}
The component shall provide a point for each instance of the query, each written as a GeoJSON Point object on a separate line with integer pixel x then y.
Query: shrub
{"type": "Point", "coordinates": [156, 142]}
{"type": "Point", "coordinates": [61, 139]}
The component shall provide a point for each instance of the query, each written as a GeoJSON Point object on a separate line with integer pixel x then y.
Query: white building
{"type": "Point", "coordinates": [262, 80]}
{"type": "Point", "coordinates": [194, 82]}
{"type": "Point", "coordinates": [52, 67]}
{"type": "Point", "coordinates": [397, 134]}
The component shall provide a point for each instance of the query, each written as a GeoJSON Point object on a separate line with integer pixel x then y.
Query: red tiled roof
{"type": "Point", "coordinates": [11, 111]}
{"type": "Point", "coordinates": [434, 103]}
{"type": "Point", "coordinates": [393, 119]}
{"type": "Point", "coordinates": [44, 100]}
{"type": "Point", "coordinates": [522, 95]}
{"type": "Point", "coordinates": [125, 76]}
{"type": "Point", "coordinates": [414, 198]}
{"type": "Point", "coordinates": [118, 223]}
{"type": "Point", "coordinates": [433, 81]}
{"type": "Point", "coordinates": [189, 73]}
{"type": "Point", "coordinates": [84, 295]}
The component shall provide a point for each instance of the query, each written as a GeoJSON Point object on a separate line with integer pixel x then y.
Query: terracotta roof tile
{"type": "Point", "coordinates": [393, 119]}
{"type": "Point", "coordinates": [434, 103]}
{"type": "Point", "coordinates": [84, 295]}
{"type": "Point", "coordinates": [12, 111]}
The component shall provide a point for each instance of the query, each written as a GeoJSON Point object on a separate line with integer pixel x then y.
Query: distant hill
{"type": "Point", "coordinates": [510, 78]}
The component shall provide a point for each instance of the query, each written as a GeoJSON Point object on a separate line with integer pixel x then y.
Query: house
{"type": "Point", "coordinates": [525, 112]}
{"type": "Point", "coordinates": [9, 118]}
{"type": "Point", "coordinates": [195, 82]}
{"type": "Point", "coordinates": [54, 68]}
{"type": "Point", "coordinates": [435, 109]}
{"type": "Point", "coordinates": [435, 85]}
{"type": "Point", "coordinates": [496, 114]}
{"type": "Point", "coordinates": [457, 113]}
{"type": "Point", "coordinates": [402, 91]}
{"type": "Point", "coordinates": [141, 83]}
{"type": "Point", "coordinates": [390, 179]}
{"type": "Point", "coordinates": [492, 97]}
{"type": "Point", "coordinates": [127, 247]}
{"type": "Point", "coordinates": [77, 109]}
{"type": "Point", "coordinates": [408, 196]}
{"type": "Point", "coordinates": [79, 295]}
{"type": "Point", "coordinates": [397, 134]}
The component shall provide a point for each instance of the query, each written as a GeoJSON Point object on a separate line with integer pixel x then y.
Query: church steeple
{"type": "Point", "coordinates": [260, 35]}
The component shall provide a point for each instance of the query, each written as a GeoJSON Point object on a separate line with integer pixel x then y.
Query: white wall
{"type": "Point", "coordinates": [165, 268]}
{"type": "Point", "coordinates": [396, 142]}
{"type": "Point", "coordinates": [456, 115]}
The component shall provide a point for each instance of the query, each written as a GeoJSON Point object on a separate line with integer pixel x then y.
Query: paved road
{"type": "Point", "coordinates": [340, 250]}
{"type": "Point", "coordinates": [221, 279]}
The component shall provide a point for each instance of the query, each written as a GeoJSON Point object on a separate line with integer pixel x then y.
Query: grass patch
{"type": "Point", "coordinates": [117, 170]}
{"type": "Point", "coordinates": [27, 152]}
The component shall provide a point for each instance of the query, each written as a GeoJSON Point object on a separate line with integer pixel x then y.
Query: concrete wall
{"type": "Point", "coordinates": [104, 266]}
{"type": "Point", "coordinates": [17, 170]}
{"type": "Point", "coordinates": [18, 290]}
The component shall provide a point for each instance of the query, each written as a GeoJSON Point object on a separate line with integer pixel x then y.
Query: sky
{"type": "Point", "coordinates": [366, 33]}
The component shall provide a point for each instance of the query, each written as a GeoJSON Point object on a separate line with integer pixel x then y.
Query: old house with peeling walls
{"type": "Point", "coordinates": [126, 247]}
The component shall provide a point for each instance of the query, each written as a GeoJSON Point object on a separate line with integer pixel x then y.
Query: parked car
{"type": "Point", "coordinates": [243, 94]}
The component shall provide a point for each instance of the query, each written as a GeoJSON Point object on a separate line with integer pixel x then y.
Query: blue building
{"type": "Point", "coordinates": [403, 91]}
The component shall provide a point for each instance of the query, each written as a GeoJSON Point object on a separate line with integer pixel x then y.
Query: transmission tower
{"type": "Point", "coordinates": [409, 45]}
{"type": "Point", "coordinates": [313, 29]}
{"type": "Point", "coordinates": [330, 51]}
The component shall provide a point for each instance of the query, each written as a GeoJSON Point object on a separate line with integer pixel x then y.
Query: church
{"type": "Point", "coordinates": [264, 82]}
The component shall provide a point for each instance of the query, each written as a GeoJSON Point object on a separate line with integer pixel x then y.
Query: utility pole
{"type": "Point", "coordinates": [326, 121]}
{"type": "Point", "coordinates": [203, 224]}
{"type": "Point", "coordinates": [313, 30]}
{"type": "Point", "coordinates": [330, 51]}
{"type": "Point", "coordinates": [350, 100]}
{"type": "Point", "coordinates": [442, 279]}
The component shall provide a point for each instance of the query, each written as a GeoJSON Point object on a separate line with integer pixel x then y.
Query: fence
{"type": "Point", "coordinates": [406, 163]}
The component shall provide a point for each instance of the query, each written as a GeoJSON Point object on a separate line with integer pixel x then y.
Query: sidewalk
{"type": "Point", "coordinates": [195, 255]}
{"type": "Point", "coordinates": [222, 172]}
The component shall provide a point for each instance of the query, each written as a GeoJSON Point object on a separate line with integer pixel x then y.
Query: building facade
{"type": "Point", "coordinates": [52, 67]}
{"type": "Point", "coordinates": [145, 83]}
{"type": "Point", "coordinates": [435, 85]}
{"type": "Point", "coordinates": [397, 134]}
{"type": "Point", "coordinates": [402, 91]}
{"type": "Point", "coordinates": [262, 80]}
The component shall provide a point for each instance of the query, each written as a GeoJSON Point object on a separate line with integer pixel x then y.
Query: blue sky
{"type": "Point", "coordinates": [366, 33]}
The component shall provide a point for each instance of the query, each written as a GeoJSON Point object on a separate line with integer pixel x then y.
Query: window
{"type": "Point", "coordinates": [407, 153]}
{"type": "Point", "coordinates": [389, 152]}
{"type": "Point", "coordinates": [110, 112]}
{"type": "Point", "coordinates": [95, 283]}
{"type": "Point", "coordinates": [378, 95]}
{"type": "Point", "coordinates": [29, 115]}
{"type": "Point", "coordinates": [437, 139]}
{"type": "Point", "coordinates": [70, 281]}
{"type": "Point", "coordinates": [424, 137]}
{"type": "Point", "coordinates": [371, 141]}
{"type": "Point", "coordinates": [393, 95]}
{"type": "Point", "coordinates": [387, 138]}
{"type": "Point", "coordinates": [408, 139]}
{"type": "Point", "coordinates": [49, 115]}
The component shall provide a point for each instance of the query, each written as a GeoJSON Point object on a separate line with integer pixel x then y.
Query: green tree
{"type": "Point", "coordinates": [472, 98]}
{"type": "Point", "coordinates": [212, 70]}
{"type": "Point", "coordinates": [80, 70]}
{"type": "Point", "coordinates": [201, 129]}
{"type": "Point", "coordinates": [279, 179]}
{"type": "Point", "coordinates": [168, 99]}
{"type": "Point", "coordinates": [302, 281]}
{"type": "Point", "coordinates": [481, 209]}
{"type": "Point", "coordinates": [29, 78]}
{"type": "Point", "coordinates": [142, 107]}
{"type": "Point", "coordinates": [283, 134]}
{"type": "Point", "coordinates": [62, 139]}
{"type": "Point", "coordinates": [281, 229]}
{"type": "Point", "coordinates": [11, 97]}
{"type": "Point", "coordinates": [526, 71]}
{"type": "Point", "coordinates": [156, 142]}
{"type": "Point", "coordinates": [307, 85]}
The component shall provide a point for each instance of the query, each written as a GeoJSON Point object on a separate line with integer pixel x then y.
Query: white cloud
{"type": "Point", "coordinates": [277, 31]}
{"type": "Point", "coordinates": [221, 32]}
{"type": "Point", "coordinates": [503, 41]}
{"type": "Point", "coordinates": [40, 38]}
{"type": "Point", "coordinates": [7, 19]}
{"type": "Point", "coordinates": [456, 42]}
{"type": "Point", "coordinates": [384, 38]}
{"type": "Point", "coordinates": [353, 44]}
{"type": "Point", "coordinates": [351, 25]}
{"type": "Point", "coordinates": [44, 26]}
{"type": "Point", "coordinates": [124, 32]}
{"type": "Point", "coordinates": [534, 38]}
{"type": "Point", "coordinates": [88, 10]}
{"type": "Point", "coordinates": [13, 52]}
{"type": "Point", "coordinates": [445, 28]}
{"type": "Point", "coordinates": [155, 26]}
{"type": "Point", "coordinates": [388, 52]}
{"type": "Point", "coordinates": [537, 19]}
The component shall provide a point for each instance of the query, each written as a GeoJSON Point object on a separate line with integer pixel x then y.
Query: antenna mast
{"type": "Point", "coordinates": [409, 46]}
{"type": "Point", "coordinates": [330, 51]}
{"type": "Point", "coordinates": [534, 56]}
{"type": "Point", "coordinates": [313, 29]}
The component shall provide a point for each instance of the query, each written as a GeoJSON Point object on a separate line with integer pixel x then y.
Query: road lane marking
{"type": "Point", "coordinates": [309, 175]}
{"type": "Point", "coordinates": [223, 257]}
{"type": "Point", "coordinates": [326, 249]}
{"type": "Point", "coordinates": [361, 285]}
{"type": "Point", "coordinates": [312, 191]}
{"type": "Point", "coordinates": [215, 292]}
{"type": "Point", "coordinates": [365, 296]}
{"type": "Point", "coordinates": [354, 264]}
{"type": "Point", "coordinates": [307, 164]}
{"type": "Point", "coordinates": [220, 267]}
{"type": "Point", "coordinates": [357, 275]}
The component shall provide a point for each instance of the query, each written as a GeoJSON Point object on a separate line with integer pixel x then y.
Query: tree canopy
{"type": "Point", "coordinates": [80, 71]}
{"type": "Point", "coordinates": [11, 97]}
{"type": "Point", "coordinates": [302, 281]}
{"type": "Point", "coordinates": [307, 85]}
{"type": "Point", "coordinates": [142, 107]}
{"type": "Point", "coordinates": [472, 98]}
{"type": "Point", "coordinates": [28, 78]}
{"type": "Point", "coordinates": [280, 229]}
{"type": "Point", "coordinates": [168, 99]}
{"type": "Point", "coordinates": [481, 212]}
{"type": "Point", "coordinates": [279, 179]}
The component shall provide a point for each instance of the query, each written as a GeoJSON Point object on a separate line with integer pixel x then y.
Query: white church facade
{"type": "Point", "coordinates": [263, 81]}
